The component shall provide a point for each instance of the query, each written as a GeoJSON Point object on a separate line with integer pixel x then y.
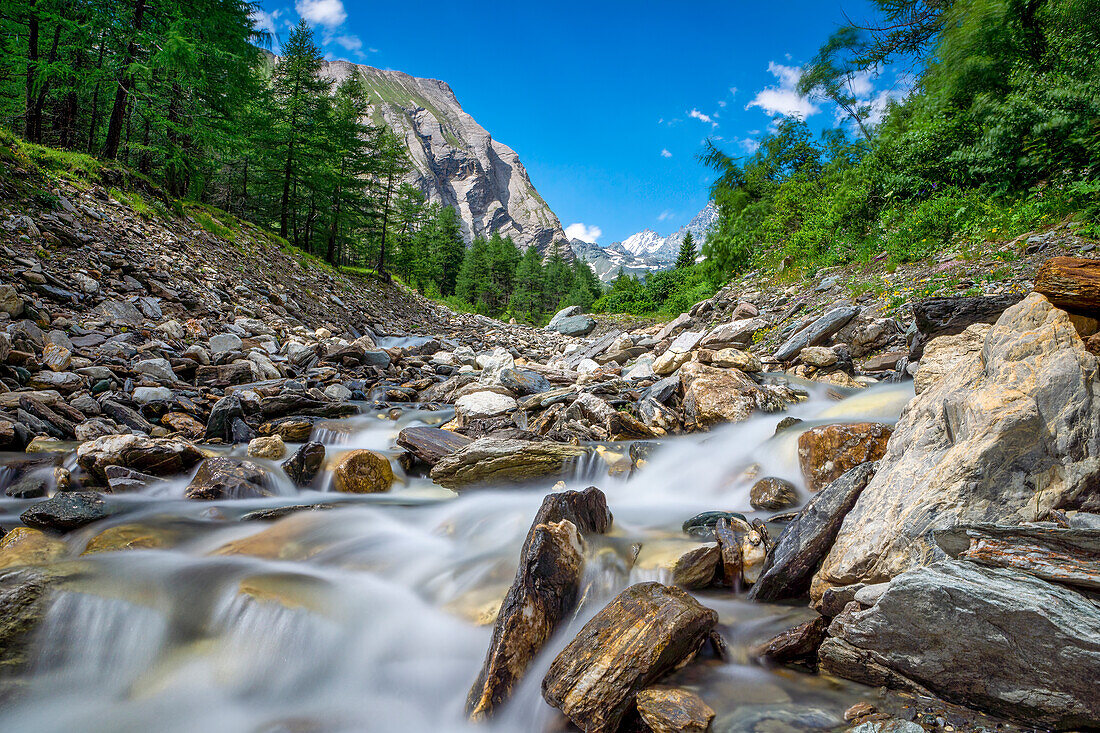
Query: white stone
{"type": "Point", "coordinates": [223, 342]}
{"type": "Point", "coordinates": [483, 404]}
{"type": "Point", "coordinates": [145, 395]}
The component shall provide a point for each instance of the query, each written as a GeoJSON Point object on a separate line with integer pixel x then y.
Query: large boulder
{"type": "Point", "coordinates": [508, 461]}
{"type": "Point", "coordinates": [572, 321]}
{"type": "Point", "coordinates": [226, 477]}
{"type": "Point", "coordinates": [994, 639]}
{"type": "Point", "coordinates": [948, 316]}
{"type": "Point", "coordinates": [827, 452]}
{"type": "Point", "coordinates": [1006, 437]}
{"type": "Point", "coordinates": [713, 395]}
{"type": "Point", "coordinates": [483, 404]}
{"type": "Point", "coordinates": [943, 354]}
{"type": "Point", "coordinates": [644, 633]}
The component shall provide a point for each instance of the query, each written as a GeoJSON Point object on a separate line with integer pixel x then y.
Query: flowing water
{"type": "Point", "coordinates": [375, 616]}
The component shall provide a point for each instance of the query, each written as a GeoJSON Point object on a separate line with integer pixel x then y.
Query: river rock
{"type": "Point", "coordinates": [572, 321]}
{"type": "Point", "coordinates": [829, 451]}
{"type": "Point", "coordinates": [505, 461]}
{"type": "Point", "coordinates": [1006, 437]}
{"type": "Point", "coordinates": [429, 445]}
{"type": "Point", "coordinates": [270, 447]}
{"type": "Point", "coordinates": [817, 332]}
{"type": "Point", "coordinates": [773, 494]}
{"type": "Point", "coordinates": [790, 565]}
{"type": "Point", "coordinates": [672, 710]}
{"type": "Point", "coordinates": [362, 472]}
{"type": "Point", "coordinates": [481, 405]}
{"type": "Point", "coordinates": [543, 593]}
{"type": "Point", "coordinates": [226, 477]}
{"type": "Point", "coordinates": [994, 639]}
{"type": "Point", "coordinates": [25, 596]}
{"type": "Point", "coordinates": [714, 395]}
{"type": "Point", "coordinates": [25, 547]}
{"type": "Point", "coordinates": [66, 511]}
{"type": "Point", "coordinates": [818, 356]}
{"type": "Point", "coordinates": [158, 456]}
{"type": "Point", "coordinates": [644, 633]}
{"type": "Point", "coordinates": [524, 381]}
{"type": "Point", "coordinates": [797, 644]}
{"type": "Point", "coordinates": [303, 466]}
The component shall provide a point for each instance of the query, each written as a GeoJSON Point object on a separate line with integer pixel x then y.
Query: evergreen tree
{"type": "Point", "coordinates": [473, 276]}
{"type": "Point", "coordinates": [687, 252]}
{"type": "Point", "coordinates": [391, 167]}
{"type": "Point", "coordinates": [526, 300]}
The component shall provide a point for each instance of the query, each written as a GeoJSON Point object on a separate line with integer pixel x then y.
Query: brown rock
{"type": "Point", "coordinates": [505, 461]}
{"type": "Point", "coordinates": [24, 546]}
{"type": "Point", "coordinates": [183, 423]}
{"type": "Point", "coordinates": [1071, 283]}
{"type": "Point", "coordinates": [645, 632]}
{"type": "Point", "coordinates": [795, 644]}
{"type": "Point", "coordinates": [362, 472]}
{"type": "Point", "coordinates": [429, 445]}
{"type": "Point", "coordinates": [697, 569]}
{"type": "Point", "coordinates": [672, 710]}
{"type": "Point", "coordinates": [827, 452]}
{"type": "Point", "coordinates": [714, 395]}
{"type": "Point", "coordinates": [226, 477]}
{"type": "Point", "coordinates": [773, 494]}
{"type": "Point", "coordinates": [157, 456]}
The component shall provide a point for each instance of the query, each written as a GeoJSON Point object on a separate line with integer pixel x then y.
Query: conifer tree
{"type": "Point", "coordinates": [686, 257]}
{"type": "Point", "coordinates": [526, 300]}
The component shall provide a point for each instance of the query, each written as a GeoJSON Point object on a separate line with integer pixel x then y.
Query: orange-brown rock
{"type": "Point", "coordinates": [827, 452]}
{"type": "Point", "coordinates": [1071, 283]}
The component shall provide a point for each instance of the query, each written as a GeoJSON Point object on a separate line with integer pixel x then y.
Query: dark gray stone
{"type": "Point", "coordinates": [524, 381]}
{"type": "Point", "coordinates": [66, 511]}
{"type": "Point", "coordinates": [817, 332]}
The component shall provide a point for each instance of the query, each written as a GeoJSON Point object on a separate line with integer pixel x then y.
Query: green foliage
{"type": "Point", "coordinates": [666, 294]}
{"type": "Point", "coordinates": [686, 257]}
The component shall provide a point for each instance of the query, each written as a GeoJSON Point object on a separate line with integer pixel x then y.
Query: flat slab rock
{"type": "Point", "coordinates": [644, 633]}
{"type": "Point", "coordinates": [993, 639]}
{"type": "Point", "coordinates": [509, 461]}
{"type": "Point", "coordinates": [429, 445]}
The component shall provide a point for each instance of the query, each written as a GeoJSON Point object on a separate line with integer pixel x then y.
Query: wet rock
{"type": "Point", "coordinates": [158, 456]}
{"type": "Point", "coordinates": [790, 566]}
{"type": "Point", "coordinates": [997, 640]}
{"type": "Point", "coordinates": [122, 480]}
{"type": "Point", "coordinates": [697, 569]}
{"type": "Point", "coordinates": [773, 494]}
{"type": "Point", "coordinates": [224, 416]}
{"type": "Point", "coordinates": [948, 316]}
{"type": "Point", "coordinates": [270, 447]}
{"type": "Point", "coordinates": [362, 472]}
{"type": "Point", "coordinates": [644, 633]}
{"type": "Point", "coordinates": [66, 511]}
{"type": "Point", "coordinates": [429, 445]}
{"type": "Point", "coordinates": [507, 461]}
{"type": "Point", "coordinates": [702, 525]}
{"type": "Point", "coordinates": [817, 332]}
{"type": "Point", "coordinates": [303, 466]}
{"type": "Point", "coordinates": [181, 422]}
{"type": "Point", "coordinates": [297, 429]}
{"type": "Point", "coordinates": [713, 396]}
{"type": "Point", "coordinates": [26, 547]}
{"type": "Point", "coordinates": [798, 644]}
{"type": "Point", "coordinates": [672, 710]}
{"type": "Point", "coordinates": [24, 600]}
{"type": "Point", "coordinates": [131, 537]}
{"type": "Point", "coordinates": [827, 452]}
{"type": "Point", "coordinates": [1009, 436]}
{"type": "Point", "coordinates": [28, 487]}
{"type": "Point", "coordinates": [226, 477]}
{"type": "Point", "coordinates": [543, 593]}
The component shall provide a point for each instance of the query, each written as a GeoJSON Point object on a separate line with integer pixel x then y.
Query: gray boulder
{"type": "Point", "coordinates": [572, 321]}
{"type": "Point", "coordinates": [817, 332]}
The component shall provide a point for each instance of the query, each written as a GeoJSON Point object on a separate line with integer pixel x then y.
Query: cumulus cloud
{"type": "Point", "coordinates": [327, 13]}
{"type": "Point", "coordinates": [583, 232]}
{"type": "Point", "coordinates": [665, 153]}
{"type": "Point", "coordinates": [783, 98]}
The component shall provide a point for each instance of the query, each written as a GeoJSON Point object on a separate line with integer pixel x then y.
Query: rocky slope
{"type": "Point", "coordinates": [456, 161]}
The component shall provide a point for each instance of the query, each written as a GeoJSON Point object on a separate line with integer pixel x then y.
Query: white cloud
{"type": "Point", "coordinates": [664, 215]}
{"type": "Point", "coordinates": [327, 13]}
{"type": "Point", "coordinates": [665, 153]}
{"type": "Point", "coordinates": [699, 115]}
{"type": "Point", "coordinates": [733, 91]}
{"type": "Point", "coordinates": [783, 98]}
{"type": "Point", "coordinates": [351, 43]}
{"type": "Point", "coordinates": [722, 103]}
{"type": "Point", "coordinates": [583, 232]}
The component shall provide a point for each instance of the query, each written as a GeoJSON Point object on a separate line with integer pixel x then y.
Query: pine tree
{"type": "Point", "coordinates": [392, 165]}
{"type": "Point", "coordinates": [526, 300]}
{"type": "Point", "coordinates": [686, 257]}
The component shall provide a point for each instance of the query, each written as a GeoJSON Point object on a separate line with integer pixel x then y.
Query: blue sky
{"type": "Point", "coordinates": [607, 103]}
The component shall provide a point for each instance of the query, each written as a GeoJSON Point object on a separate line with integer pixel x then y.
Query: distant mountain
{"type": "Point", "coordinates": [456, 161]}
{"type": "Point", "coordinates": [647, 251]}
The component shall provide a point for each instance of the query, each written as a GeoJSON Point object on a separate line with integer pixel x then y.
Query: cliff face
{"type": "Point", "coordinates": [456, 161]}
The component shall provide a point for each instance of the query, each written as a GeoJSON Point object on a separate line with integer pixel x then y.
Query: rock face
{"type": "Point", "coordinates": [994, 639]}
{"type": "Point", "coordinates": [456, 162]}
{"type": "Point", "coordinates": [543, 593]}
{"type": "Point", "coordinates": [827, 452]}
{"type": "Point", "coordinates": [943, 354]}
{"type": "Point", "coordinates": [643, 634]}
{"type": "Point", "coordinates": [1005, 437]}
{"type": "Point", "coordinates": [496, 461]}
{"type": "Point", "coordinates": [791, 564]}
{"type": "Point", "coordinates": [948, 316]}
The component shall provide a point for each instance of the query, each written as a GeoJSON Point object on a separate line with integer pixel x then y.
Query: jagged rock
{"type": "Point", "coordinates": [121, 480]}
{"type": "Point", "coordinates": [670, 361]}
{"type": "Point", "coordinates": [224, 418]}
{"type": "Point", "coordinates": [1006, 437]}
{"type": "Point", "coordinates": [1071, 283]}
{"type": "Point", "coordinates": [543, 593]}
{"type": "Point", "coordinates": [829, 451]}
{"type": "Point", "coordinates": [120, 311]}
{"type": "Point", "coordinates": [126, 415]}
{"type": "Point", "coordinates": [885, 362]}
{"type": "Point", "coordinates": [799, 643]}
{"type": "Point", "coordinates": [226, 477]}
{"type": "Point", "coordinates": [429, 445]}
{"type": "Point", "coordinates": [773, 494]}
{"type": "Point", "coordinates": [270, 447]}
{"type": "Point", "coordinates": [66, 511]}
{"type": "Point", "coordinates": [697, 569]}
{"type": "Point", "coordinates": [944, 354]}
{"type": "Point", "coordinates": [645, 632]}
{"type": "Point", "coordinates": [791, 564]}
{"type": "Point", "coordinates": [722, 395]}
{"type": "Point", "coordinates": [145, 395]}
{"type": "Point", "coordinates": [994, 639]}
{"type": "Point", "coordinates": [496, 461]}
{"type": "Point", "coordinates": [672, 710]}
{"type": "Point", "coordinates": [303, 466]}
{"type": "Point", "coordinates": [158, 456]}
{"type": "Point", "coordinates": [56, 358]}
{"type": "Point", "coordinates": [362, 472]}
{"type": "Point", "coordinates": [732, 334]}
{"type": "Point", "coordinates": [817, 332]}
{"type": "Point", "coordinates": [948, 316]}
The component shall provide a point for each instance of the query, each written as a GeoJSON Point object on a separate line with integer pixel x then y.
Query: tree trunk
{"type": "Point", "coordinates": [122, 94]}
{"type": "Point", "coordinates": [29, 122]}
